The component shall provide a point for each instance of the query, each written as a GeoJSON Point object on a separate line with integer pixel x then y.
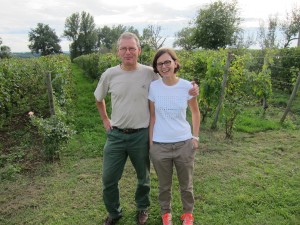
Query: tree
{"type": "Point", "coordinates": [185, 39]}
{"type": "Point", "coordinates": [290, 27]}
{"type": "Point", "coordinates": [151, 37]}
{"type": "Point", "coordinates": [44, 40]}
{"type": "Point", "coordinates": [81, 30]}
{"type": "Point", "coordinates": [108, 36]}
{"type": "Point", "coordinates": [267, 36]}
{"type": "Point", "coordinates": [4, 51]}
{"type": "Point", "coordinates": [217, 25]}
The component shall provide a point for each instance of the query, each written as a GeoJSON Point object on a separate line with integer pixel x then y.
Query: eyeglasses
{"type": "Point", "coordinates": [166, 63]}
{"type": "Point", "coordinates": [124, 50]}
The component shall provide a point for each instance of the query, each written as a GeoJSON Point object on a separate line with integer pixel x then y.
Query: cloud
{"type": "Point", "coordinates": [18, 17]}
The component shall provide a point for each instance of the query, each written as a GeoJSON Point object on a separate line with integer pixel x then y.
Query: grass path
{"type": "Point", "coordinates": [254, 179]}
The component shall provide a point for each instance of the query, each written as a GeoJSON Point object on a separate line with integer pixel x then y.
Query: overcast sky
{"type": "Point", "coordinates": [18, 17]}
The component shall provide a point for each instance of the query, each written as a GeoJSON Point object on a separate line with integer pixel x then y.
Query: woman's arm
{"type": "Point", "coordinates": [152, 121]}
{"type": "Point", "coordinates": [194, 107]}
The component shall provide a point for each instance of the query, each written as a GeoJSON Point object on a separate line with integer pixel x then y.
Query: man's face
{"type": "Point", "coordinates": [128, 51]}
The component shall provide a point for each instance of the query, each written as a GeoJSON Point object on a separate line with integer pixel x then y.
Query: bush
{"type": "Point", "coordinates": [54, 132]}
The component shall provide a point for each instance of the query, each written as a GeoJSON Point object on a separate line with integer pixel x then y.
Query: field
{"type": "Point", "coordinates": [252, 179]}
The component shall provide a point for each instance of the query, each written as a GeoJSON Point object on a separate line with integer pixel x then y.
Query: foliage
{"type": "Point", "coordinates": [290, 26]}
{"type": "Point", "coordinates": [211, 84]}
{"type": "Point", "coordinates": [147, 55]}
{"type": "Point", "coordinates": [285, 68]}
{"type": "Point", "coordinates": [106, 61]}
{"type": "Point", "coordinates": [81, 30]}
{"type": "Point", "coordinates": [95, 64]}
{"type": "Point", "coordinates": [23, 89]}
{"type": "Point", "coordinates": [54, 133]}
{"type": "Point", "coordinates": [217, 25]}
{"type": "Point", "coordinates": [89, 63]}
{"type": "Point", "coordinates": [152, 37]}
{"type": "Point", "coordinates": [5, 52]}
{"type": "Point", "coordinates": [44, 40]}
{"type": "Point", "coordinates": [267, 36]}
{"type": "Point", "coordinates": [185, 39]}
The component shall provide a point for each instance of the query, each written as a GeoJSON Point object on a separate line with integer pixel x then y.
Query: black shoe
{"type": "Point", "coordinates": [142, 217]}
{"type": "Point", "coordinates": [111, 221]}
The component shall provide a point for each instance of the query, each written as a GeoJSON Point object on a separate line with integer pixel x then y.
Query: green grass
{"type": "Point", "coordinates": [252, 179]}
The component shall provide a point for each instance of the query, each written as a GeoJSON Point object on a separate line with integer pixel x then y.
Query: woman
{"type": "Point", "coordinates": [172, 141]}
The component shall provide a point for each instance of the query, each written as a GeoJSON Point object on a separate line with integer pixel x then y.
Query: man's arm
{"type": "Point", "coordinates": [103, 114]}
{"type": "Point", "coordinates": [194, 91]}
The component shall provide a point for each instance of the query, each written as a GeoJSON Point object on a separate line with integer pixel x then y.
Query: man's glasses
{"type": "Point", "coordinates": [124, 50]}
{"type": "Point", "coordinates": [166, 63]}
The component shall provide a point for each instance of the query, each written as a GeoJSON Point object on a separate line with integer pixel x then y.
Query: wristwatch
{"type": "Point", "coordinates": [196, 138]}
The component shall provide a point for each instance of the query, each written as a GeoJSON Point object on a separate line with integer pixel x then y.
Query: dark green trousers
{"type": "Point", "coordinates": [116, 151]}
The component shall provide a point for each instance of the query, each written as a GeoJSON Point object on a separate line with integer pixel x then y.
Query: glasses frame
{"type": "Point", "coordinates": [166, 63]}
{"type": "Point", "coordinates": [124, 50]}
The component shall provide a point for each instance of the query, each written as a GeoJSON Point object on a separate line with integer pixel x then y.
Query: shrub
{"type": "Point", "coordinates": [54, 132]}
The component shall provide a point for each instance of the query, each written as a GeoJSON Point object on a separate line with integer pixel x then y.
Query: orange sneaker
{"type": "Point", "coordinates": [187, 219]}
{"type": "Point", "coordinates": [167, 219]}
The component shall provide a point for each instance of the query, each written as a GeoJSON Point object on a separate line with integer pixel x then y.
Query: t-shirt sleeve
{"type": "Point", "coordinates": [102, 87]}
{"type": "Point", "coordinates": [151, 93]}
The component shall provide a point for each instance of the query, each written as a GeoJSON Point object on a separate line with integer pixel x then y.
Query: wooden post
{"type": "Point", "coordinates": [50, 94]}
{"type": "Point", "coordinates": [288, 107]}
{"type": "Point", "coordinates": [222, 94]}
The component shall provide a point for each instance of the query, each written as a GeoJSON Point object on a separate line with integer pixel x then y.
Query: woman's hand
{"type": "Point", "coordinates": [195, 144]}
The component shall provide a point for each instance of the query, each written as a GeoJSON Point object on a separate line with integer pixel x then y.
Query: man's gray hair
{"type": "Point", "coordinates": [129, 35]}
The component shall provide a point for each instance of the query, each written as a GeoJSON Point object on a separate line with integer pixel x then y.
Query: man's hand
{"type": "Point", "coordinates": [194, 91]}
{"type": "Point", "coordinates": [107, 125]}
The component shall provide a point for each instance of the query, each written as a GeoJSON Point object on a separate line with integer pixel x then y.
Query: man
{"type": "Point", "coordinates": [127, 131]}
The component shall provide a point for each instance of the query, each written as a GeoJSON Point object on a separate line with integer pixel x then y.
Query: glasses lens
{"type": "Point", "coordinates": [166, 63]}
{"type": "Point", "coordinates": [131, 50]}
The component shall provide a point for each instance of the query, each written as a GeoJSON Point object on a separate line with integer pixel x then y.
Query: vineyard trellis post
{"type": "Point", "coordinates": [222, 94]}
{"type": "Point", "coordinates": [288, 107]}
{"type": "Point", "coordinates": [50, 94]}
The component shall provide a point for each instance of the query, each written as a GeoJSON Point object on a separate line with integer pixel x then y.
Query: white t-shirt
{"type": "Point", "coordinates": [171, 103]}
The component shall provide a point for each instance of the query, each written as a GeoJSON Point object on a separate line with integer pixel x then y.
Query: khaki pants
{"type": "Point", "coordinates": [182, 155]}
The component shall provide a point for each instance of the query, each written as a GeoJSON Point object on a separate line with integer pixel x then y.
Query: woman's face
{"type": "Point", "coordinates": [166, 65]}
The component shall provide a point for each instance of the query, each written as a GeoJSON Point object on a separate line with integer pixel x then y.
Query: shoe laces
{"type": "Point", "coordinates": [167, 218]}
{"type": "Point", "coordinates": [187, 219]}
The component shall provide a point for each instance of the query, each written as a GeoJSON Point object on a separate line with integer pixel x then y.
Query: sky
{"type": "Point", "coordinates": [18, 17]}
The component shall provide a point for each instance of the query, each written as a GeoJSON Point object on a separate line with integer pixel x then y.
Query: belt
{"type": "Point", "coordinates": [128, 130]}
{"type": "Point", "coordinates": [168, 143]}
